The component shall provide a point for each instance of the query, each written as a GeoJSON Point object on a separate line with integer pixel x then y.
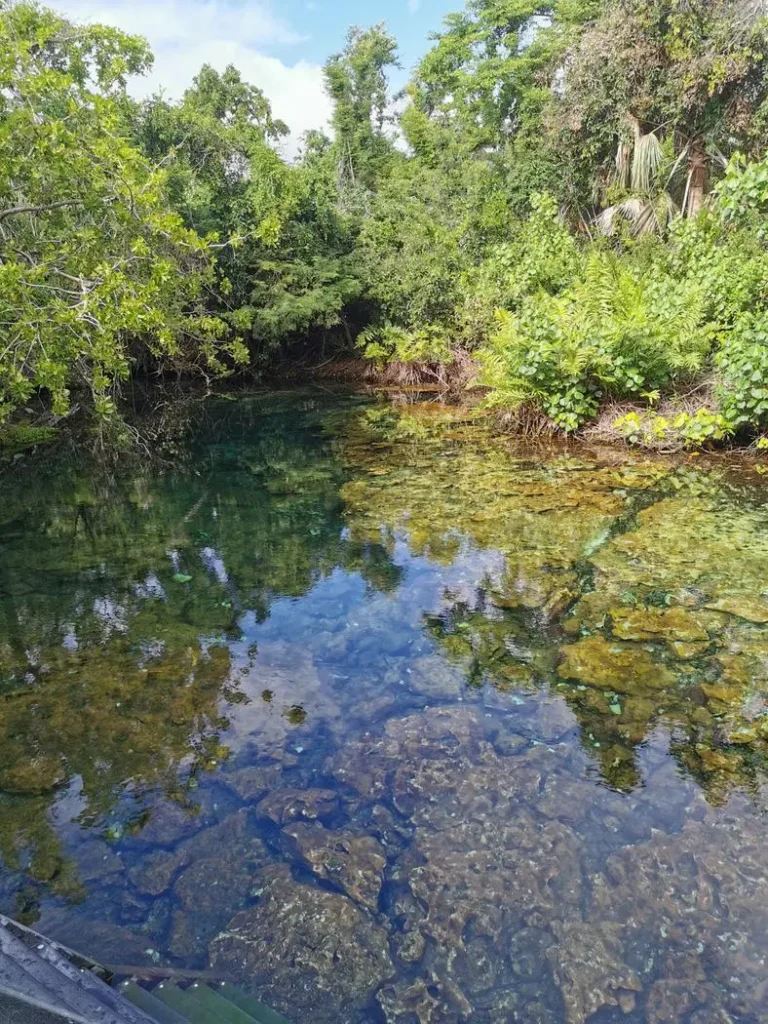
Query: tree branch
{"type": "Point", "coordinates": [13, 210]}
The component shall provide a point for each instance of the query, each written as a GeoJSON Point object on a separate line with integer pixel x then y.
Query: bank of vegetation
{"type": "Point", "coordinates": [566, 209]}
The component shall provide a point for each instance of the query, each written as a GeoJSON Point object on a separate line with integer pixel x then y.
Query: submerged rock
{"type": "Point", "coordinates": [211, 875]}
{"type": "Point", "coordinates": [33, 776]}
{"type": "Point", "coordinates": [612, 666]}
{"type": "Point", "coordinates": [435, 678]}
{"type": "Point", "coordinates": [298, 804]}
{"type": "Point", "coordinates": [254, 782]}
{"type": "Point", "coordinates": [354, 863]}
{"type": "Point", "coordinates": [674, 624]}
{"type": "Point", "coordinates": [308, 952]}
{"type": "Point", "coordinates": [168, 823]}
{"type": "Point", "coordinates": [743, 608]}
{"type": "Point", "coordinates": [698, 898]}
{"type": "Point", "coordinates": [479, 862]}
{"type": "Point", "coordinates": [425, 1000]}
{"type": "Point", "coordinates": [588, 965]}
{"type": "Point", "coordinates": [554, 719]}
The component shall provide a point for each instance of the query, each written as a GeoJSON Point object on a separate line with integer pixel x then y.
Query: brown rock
{"type": "Point", "coordinates": [587, 964]}
{"type": "Point", "coordinates": [611, 666]}
{"type": "Point", "coordinates": [309, 953]}
{"type": "Point", "coordinates": [354, 863]}
{"type": "Point", "coordinates": [298, 804]}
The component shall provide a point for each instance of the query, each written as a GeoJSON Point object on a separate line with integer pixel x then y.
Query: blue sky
{"type": "Point", "coordinates": [279, 45]}
{"type": "Point", "coordinates": [325, 22]}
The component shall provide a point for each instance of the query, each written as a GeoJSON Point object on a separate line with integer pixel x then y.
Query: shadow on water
{"type": "Point", "coordinates": [389, 719]}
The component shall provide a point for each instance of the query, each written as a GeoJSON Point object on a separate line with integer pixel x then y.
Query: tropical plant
{"type": "Point", "coordinates": [96, 269]}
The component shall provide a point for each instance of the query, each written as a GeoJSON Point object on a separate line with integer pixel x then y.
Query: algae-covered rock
{"type": "Point", "coordinates": [689, 547]}
{"type": "Point", "coordinates": [354, 863]}
{"type": "Point", "coordinates": [588, 965]}
{"type": "Point", "coordinates": [612, 666]}
{"type": "Point", "coordinates": [742, 607]}
{"type": "Point", "coordinates": [675, 624]}
{"type": "Point", "coordinates": [307, 952]}
{"type": "Point", "coordinates": [33, 776]}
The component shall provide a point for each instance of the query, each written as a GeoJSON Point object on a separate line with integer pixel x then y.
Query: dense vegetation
{"type": "Point", "coordinates": [568, 209]}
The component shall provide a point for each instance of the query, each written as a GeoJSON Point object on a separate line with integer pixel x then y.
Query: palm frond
{"type": "Point", "coordinates": [605, 221]}
{"type": "Point", "coordinates": [646, 162]}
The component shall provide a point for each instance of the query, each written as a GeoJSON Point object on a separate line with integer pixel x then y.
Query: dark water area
{"type": "Point", "coordinates": [388, 719]}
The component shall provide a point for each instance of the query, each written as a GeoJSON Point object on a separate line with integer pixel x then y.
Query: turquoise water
{"type": "Point", "coordinates": [389, 719]}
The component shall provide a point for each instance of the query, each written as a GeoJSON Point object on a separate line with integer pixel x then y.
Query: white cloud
{"type": "Point", "coordinates": [186, 35]}
{"type": "Point", "coordinates": [414, 5]}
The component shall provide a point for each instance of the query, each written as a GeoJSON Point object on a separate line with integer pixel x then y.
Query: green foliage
{"type": "Point", "coordinates": [575, 191]}
{"type": "Point", "coordinates": [21, 436]}
{"type": "Point", "coordinates": [357, 84]}
{"type": "Point", "coordinates": [650, 320]}
{"type": "Point", "coordinates": [683, 429]}
{"type": "Point", "coordinates": [615, 332]}
{"type": "Point", "coordinates": [282, 265]}
{"type": "Point", "coordinates": [391, 344]}
{"type": "Point", "coordinates": [742, 193]}
{"type": "Point", "coordinates": [93, 260]}
{"type": "Point", "coordinates": [742, 362]}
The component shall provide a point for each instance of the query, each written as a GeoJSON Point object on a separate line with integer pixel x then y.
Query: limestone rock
{"type": "Point", "coordinates": [674, 623]}
{"type": "Point", "coordinates": [298, 804]}
{"type": "Point", "coordinates": [613, 666]}
{"type": "Point", "coordinates": [355, 863]}
{"type": "Point", "coordinates": [307, 952]}
{"type": "Point", "coordinates": [587, 964]}
{"type": "Point", "coordinates": [423, 1000]}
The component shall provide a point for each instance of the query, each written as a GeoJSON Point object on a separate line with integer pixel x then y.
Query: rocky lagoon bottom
{"type": "Point", "coordinates": [389, 720]}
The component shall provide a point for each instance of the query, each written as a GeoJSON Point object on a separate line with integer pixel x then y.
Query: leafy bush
{"type": "Point", "coordinates": [615, 333]}
{"type": "Point", "coordinates": [742, 362]}
{"type": "Point", "coordinates": [391, 344]}
{"type": "Point", "coordinates": [684, 429]}
{"type": "Point", "coordinates": [646, 319]}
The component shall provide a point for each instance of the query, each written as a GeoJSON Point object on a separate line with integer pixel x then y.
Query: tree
{"type": "Point", "coordinates": [356, 81]}
{"type": "Point", "coordinates": [278, 275]}
{"type": "Point", "coordinates": [95, 267]}
{"type": "Point", "coordinates": [688, 71]}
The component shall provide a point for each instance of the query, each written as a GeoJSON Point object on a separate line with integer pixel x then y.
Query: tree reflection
{"type": "Point", "coordinates": [122, 591]}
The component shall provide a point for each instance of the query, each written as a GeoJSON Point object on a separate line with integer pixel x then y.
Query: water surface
{"type": "Point", "coordinates": [387, 719]}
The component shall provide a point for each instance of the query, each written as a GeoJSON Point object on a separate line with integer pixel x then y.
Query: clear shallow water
{"type": "Point", "coordinates": [389, 720]}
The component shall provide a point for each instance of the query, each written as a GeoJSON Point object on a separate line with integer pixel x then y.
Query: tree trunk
{"type": "Point", "coordinates": [698, 178]}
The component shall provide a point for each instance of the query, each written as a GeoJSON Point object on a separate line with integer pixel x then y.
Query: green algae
{"type": "Point", "coordinates": [673, 624]}
{"type": "Point", "coordinates": [612, 666]}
